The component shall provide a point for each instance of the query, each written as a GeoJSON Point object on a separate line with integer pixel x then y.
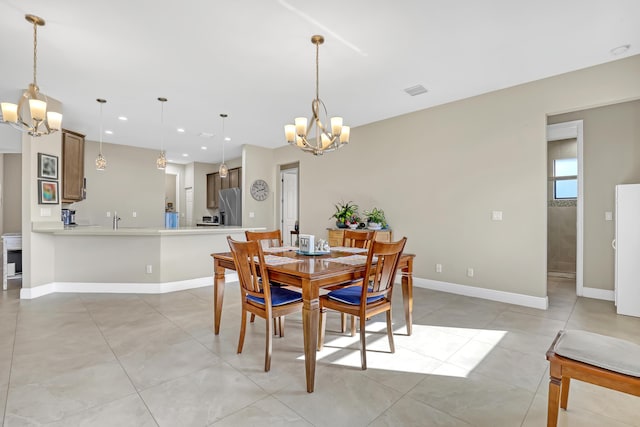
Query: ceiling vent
{"type": "Point", "coordinates": [416, 90]}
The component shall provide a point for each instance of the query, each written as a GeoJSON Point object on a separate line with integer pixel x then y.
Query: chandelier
{"type": "Point", "coordinates": [161, 162]}
{"type": "Point", "coordinates": [223, 170]}
{"type": "Point", "coordinates": [41, 121]}
{"type": "Point", "coordinates": [325, 140]}
{"type": "Point", "coordinates": [101, 162]}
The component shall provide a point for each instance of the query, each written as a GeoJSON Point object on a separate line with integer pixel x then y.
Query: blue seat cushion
{"type": "Point", "coordinates": [279, 296]}
{"type": "Point", "coordinates": [351, 295]}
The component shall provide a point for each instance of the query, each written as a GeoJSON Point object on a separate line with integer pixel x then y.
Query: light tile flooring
{"type": "Point", "coordinates": [146, 360]}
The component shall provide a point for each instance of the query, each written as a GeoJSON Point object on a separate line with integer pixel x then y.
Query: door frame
{"type": "Point", "coordinates": [568, 130]}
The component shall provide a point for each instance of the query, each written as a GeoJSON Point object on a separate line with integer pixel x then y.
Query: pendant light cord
{"type": "Point", "coordinates": [35, 51]}
{"type": "Point", "coordinates": [101, 132]}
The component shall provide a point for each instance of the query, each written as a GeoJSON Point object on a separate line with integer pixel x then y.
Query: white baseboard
{"type": "Point", "coordinates": [121, 288]}
{"type": "Point", "coordinates": [541, 303]}
{"type": "Point", "coordinates": [596, 293]}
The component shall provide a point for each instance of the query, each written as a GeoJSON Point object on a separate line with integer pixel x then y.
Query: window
{"type": "Point", "coordinates": [565, 178]}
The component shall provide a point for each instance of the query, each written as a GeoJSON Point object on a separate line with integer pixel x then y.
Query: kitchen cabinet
{"type": "Point", "coordinates": [72, 167]}
{"type": "Point", "coordinates": [215, 184]}
{"type": "Point", "coordinates": [336, 234]}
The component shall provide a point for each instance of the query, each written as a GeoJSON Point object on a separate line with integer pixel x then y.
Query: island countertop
{"type": "Point", "coordinates": [96, 230]}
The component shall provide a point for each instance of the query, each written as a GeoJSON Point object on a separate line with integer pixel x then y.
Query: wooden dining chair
{"type": "Point", "coordinates": [355, 239]}
{"type": "Point", "coordinates": [358, 239]}
{"type": "Point", "coordinates": [258, 296]}
{"type": "Point", "coordinates": [268, 239]}
{"type": "Point", "coordinates": [371, 297]}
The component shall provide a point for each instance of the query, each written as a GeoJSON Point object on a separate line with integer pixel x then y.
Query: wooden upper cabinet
{"type": "Point", "coordinates": [72, 166]}
{"type": "Point", "coordinates": [215, 184]}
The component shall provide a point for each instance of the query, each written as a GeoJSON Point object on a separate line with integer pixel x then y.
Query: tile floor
{"type": "Point", "coordinates": [147, 360]}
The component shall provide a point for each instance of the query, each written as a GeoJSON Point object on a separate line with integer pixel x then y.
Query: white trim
{"type": "Point", "coordinates": [566, 130]}
{"type": "Point", "coordinates": [541, 303]}
{"type": "Point", "coordinates": [121, 288]}
{"type": "Point", "coordinates": [603, 294]}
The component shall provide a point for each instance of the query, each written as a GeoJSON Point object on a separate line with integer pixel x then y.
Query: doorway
{"type": "Point", "coordinates": [289, 207]}
{"type": "Point", "coordinates": [565, 209]}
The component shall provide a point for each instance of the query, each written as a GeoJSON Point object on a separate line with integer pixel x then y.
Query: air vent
{"type": "Point", "coordinates": [416, 90]}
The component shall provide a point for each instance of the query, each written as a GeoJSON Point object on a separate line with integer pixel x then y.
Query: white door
{"type": "Point", "coordinates": [289, 213]}
{"type": "Point", "coordinates": [627, 246]}
{"type": "Point", "coordinates": [189, 207]}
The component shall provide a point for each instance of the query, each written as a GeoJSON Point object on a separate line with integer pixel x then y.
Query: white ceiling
{"type": "Point", "coordinates": [253, 59]}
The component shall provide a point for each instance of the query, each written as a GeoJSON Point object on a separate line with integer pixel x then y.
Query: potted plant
{"type": "Point", "coordinates": [376, 219]}
{"type": "Point", "coordinates": [353, 221]}
{"type": "Point", "coordinates": [344, 212]}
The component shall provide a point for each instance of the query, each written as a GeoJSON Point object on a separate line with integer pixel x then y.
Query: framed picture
{"type": "Point", "coordinates": [47, 166]}
{"type": "Point", "coordinates": [47, 192]}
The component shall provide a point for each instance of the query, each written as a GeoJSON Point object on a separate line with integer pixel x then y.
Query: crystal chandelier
{"type": "Point", "coordinates": [41, 121]}
{"type": "Point", "coordinates": [223, 170]}
{"type": "Point", "coordinates": [161, 162]}
{"type": "Point", "coordinates": [325, 139]}
{"type": "Point", "coordinates": [101, 162]}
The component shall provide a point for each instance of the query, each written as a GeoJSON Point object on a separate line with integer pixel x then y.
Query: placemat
{"type": "Point", "coordinates": [348, 249]}
{"type": "Point", "coordinates": [351, 259]}
{"type": "Point", "coordinates": [277, 260]}
{"type": "Point", "coordinates": [278, 249]}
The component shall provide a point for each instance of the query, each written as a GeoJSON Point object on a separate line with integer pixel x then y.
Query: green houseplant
{"type": "Point", "coordinates": [344, 213]}
{"type": "Point", "coordinates": [375, 218]}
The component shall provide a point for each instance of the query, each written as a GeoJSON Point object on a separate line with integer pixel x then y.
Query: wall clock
{"type": "Point", "coordinates": [259, 190]}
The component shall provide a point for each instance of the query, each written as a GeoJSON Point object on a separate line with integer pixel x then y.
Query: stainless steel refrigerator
{"type": "Point", "coordinates": [230, 206]}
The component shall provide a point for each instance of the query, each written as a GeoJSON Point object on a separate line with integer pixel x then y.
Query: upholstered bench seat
{"type": "Point", "coordinates": [597, 359]}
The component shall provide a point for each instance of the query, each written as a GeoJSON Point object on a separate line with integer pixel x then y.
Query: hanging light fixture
{"type": "Point", "coordinates": [161, 162]}
{"type": "Point", "coordinates": [224, 170]}
{"type": "Point", "coordinates": [41, 122]}
{"type": "Point", "coordinates": [325, 139]}
{"type": "Point", "coordinates": [101, 162]}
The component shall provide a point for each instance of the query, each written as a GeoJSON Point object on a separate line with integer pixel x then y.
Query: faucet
{"type": "Point", "coordinates": [115, 220]}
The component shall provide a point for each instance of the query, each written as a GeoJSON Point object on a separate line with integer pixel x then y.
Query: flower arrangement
{"type": "Point", "coordinates": [345, 213]}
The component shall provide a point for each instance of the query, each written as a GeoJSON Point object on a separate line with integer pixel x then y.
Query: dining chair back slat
{"type": "Point", "coordinates": [268, 239]}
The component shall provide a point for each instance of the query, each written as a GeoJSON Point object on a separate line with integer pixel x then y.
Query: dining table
{"type": "Point", "coordinates": [311, 273]}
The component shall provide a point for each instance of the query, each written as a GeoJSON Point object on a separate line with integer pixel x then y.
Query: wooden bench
{"type": "Point", "coordinates": [597, 359]}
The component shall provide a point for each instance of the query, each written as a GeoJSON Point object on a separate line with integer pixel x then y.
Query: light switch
{"type": "Point", "coordinates": [45, 211]}
{"type": "Point", "coordinates": [496, 216]}
{"type": "Point", "coordinates": [608, 216]}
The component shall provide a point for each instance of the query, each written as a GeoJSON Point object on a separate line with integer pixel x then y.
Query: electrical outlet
{"type": "Point", "coordinates": [438, 268]}
{"type": "Point", "coordinates": [470, 272]}
{"type": "Point", "coordinates": [608, 216]}
{"type": "Point", "coordinates": [252, 214]}
{"type": "Point", "coordinates": [149, 269]}
{"type": "Point", "coordinates": [135, 214]}
{"type": "Point", "coordinates": [108, 214]}
{"type": "Point", "coordinates": [45, 211]}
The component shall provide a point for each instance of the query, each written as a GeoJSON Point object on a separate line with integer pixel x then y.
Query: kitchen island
{"type": "Point", "coordinates": [132, 260]}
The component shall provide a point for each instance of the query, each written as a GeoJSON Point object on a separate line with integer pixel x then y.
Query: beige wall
{"type": "Point", "coordinates": [258, 164]}
{"type": "Point", "coordinates": [12, 193]}
{"type": "Point", "coordinates": [130, 183]}
{"type": "Point", "coordinates": [562, 215]}
{"type": "Point", "coordinates": [440, 172]}
{"type": "Point", "coordinates": [611, 156]}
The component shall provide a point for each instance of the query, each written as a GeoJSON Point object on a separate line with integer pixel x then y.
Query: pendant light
{"type": "Point", "coordinates": [161, 162]}
{"type": "Point", "coordinates": [223, 171]}
{"type": "Point", "coordinates": [101, 162]}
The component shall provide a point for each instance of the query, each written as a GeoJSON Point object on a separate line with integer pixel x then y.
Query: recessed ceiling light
{"type": "Point", "coordinates": [108, 132]}
{"type": "Point", "coordinates": [227, 139]}
{"type": "Point", "coordinates": [181, 130]}
{"type": "Point", "coordinates": [123, 118]}
{"type": "Point", "coordinates": [203, 147]}
{"type": "Point", "coordinates": [185, 155]}
{"type": "Point", "coordinates": [620, 49]}
{"type": "Point", "coordinates": [206, 135]}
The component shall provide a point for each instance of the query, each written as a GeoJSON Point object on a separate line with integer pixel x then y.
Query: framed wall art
{"type": "Point", "coordinates": [47, 192]}
{"type": "Point", "coordinates": [47, 166]}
